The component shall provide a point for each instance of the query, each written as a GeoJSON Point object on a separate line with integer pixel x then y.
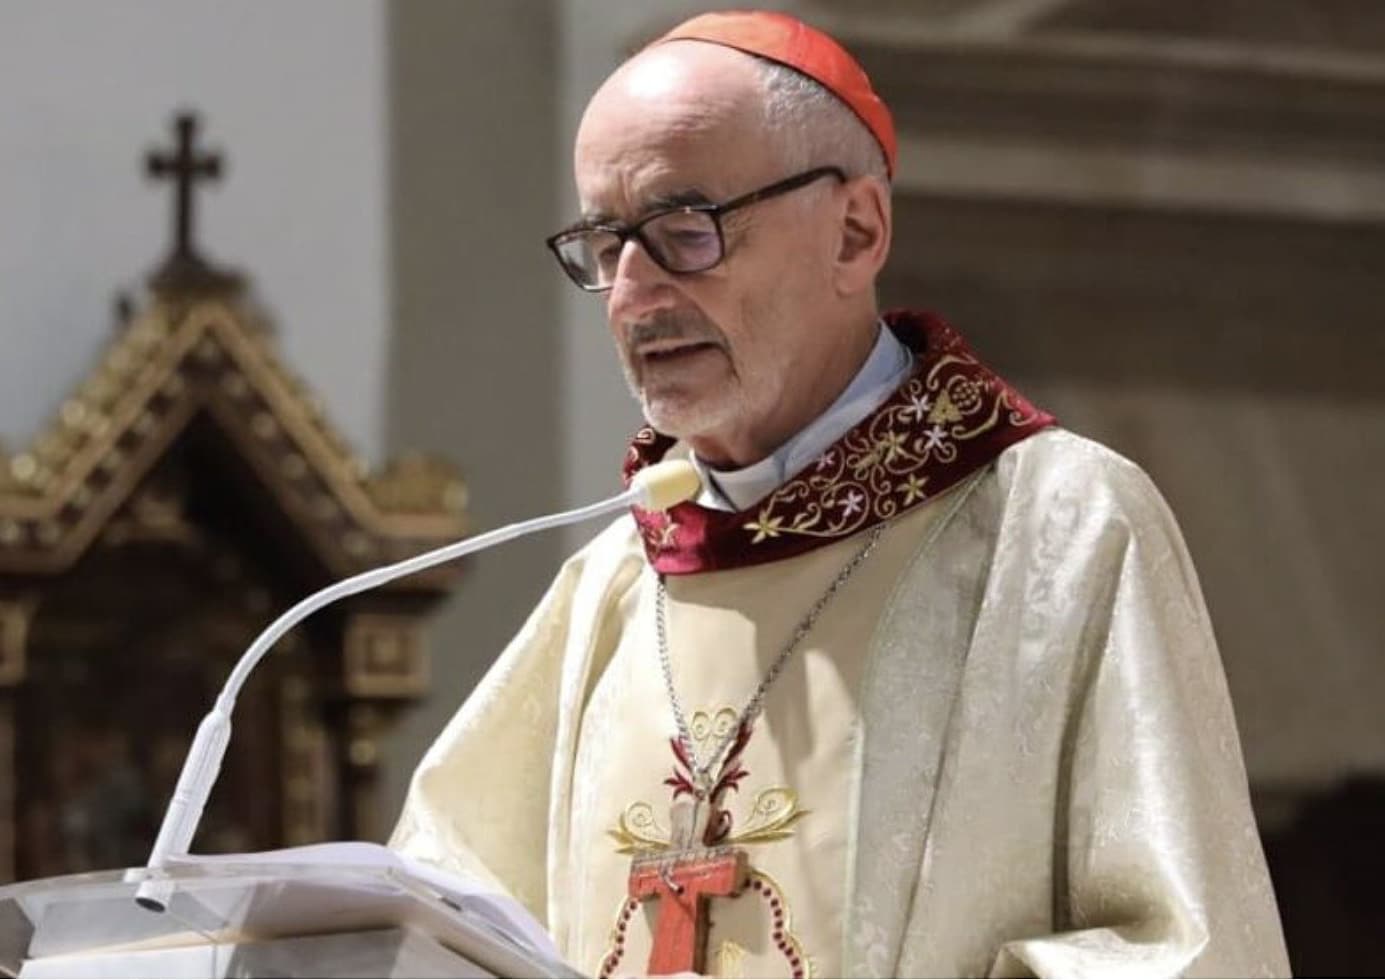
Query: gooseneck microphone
{"type": "Point", "coordinates": [656, 487]}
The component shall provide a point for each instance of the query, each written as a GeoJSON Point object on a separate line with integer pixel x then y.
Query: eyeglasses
{"type": "Point", "coordinates": [680, 240]}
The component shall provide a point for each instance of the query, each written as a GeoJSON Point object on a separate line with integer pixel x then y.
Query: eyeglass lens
{"type": "Point", "coordinates": [679, 241]}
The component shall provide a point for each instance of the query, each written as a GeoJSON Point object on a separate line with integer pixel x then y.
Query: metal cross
{"type": "Point", "coordinates": [183, 166]}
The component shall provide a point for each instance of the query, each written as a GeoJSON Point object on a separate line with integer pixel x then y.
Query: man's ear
{"type": "Point", "coordinates": [864, 240]}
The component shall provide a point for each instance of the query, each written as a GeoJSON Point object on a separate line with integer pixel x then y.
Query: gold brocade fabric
{"type": "Point", "coordinates": [1028, 767]}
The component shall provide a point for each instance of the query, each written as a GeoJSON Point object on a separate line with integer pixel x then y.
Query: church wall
{"type": "Point", "coordinates": [293, 92]}
{"type": "Point", "coordinates": [472, 373]}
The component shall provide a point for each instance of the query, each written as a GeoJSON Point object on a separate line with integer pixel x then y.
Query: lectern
{"type": "Point", "coordinates": [242, 918]}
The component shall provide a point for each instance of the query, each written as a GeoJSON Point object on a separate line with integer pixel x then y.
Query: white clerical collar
{"type": "Point", "coordinates": [885, 370]}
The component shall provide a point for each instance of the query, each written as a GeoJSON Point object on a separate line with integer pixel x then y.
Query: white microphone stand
{"type": "Point", "coordinates": [656, 487]}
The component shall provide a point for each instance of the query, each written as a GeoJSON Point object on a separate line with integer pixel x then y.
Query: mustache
{"type": "Point", "coordinates": [683, 326]}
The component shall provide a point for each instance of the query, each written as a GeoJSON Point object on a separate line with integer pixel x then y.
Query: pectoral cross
{"type": "Point", "coordinates": [684, 879]}
{"type": "Point", "coordinates": [684, 884]}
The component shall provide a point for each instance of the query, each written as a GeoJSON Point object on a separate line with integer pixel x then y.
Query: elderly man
{"type": "Point", "coordinates": [920, 684]}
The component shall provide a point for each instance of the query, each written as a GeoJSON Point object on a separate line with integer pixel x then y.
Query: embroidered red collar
{"type": "Point", "coordinates": [950, 418]}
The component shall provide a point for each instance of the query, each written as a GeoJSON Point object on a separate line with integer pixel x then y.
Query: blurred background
{"type": "Point", "coordinates": [1163, 219]}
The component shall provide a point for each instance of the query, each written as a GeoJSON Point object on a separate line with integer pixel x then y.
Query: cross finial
{"type": "Point", "coordinates": [183, 166]}
{"type": "Point", "coordinates": [185, 270]}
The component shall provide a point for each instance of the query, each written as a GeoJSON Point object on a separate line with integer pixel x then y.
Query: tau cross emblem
{"type": "Point", "coordinates": [698, 864]}
{"type": "Point", "coordinates": [684, 883]}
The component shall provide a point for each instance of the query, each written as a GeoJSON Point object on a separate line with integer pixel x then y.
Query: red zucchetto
{"type": "Point", "coordinates": [789, 41]}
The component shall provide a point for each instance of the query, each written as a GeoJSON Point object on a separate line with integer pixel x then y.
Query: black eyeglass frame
{"type": "Point", "coordinates": [716, 212]}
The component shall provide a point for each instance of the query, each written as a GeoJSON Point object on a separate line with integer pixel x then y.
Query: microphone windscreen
{"type": "Point", "coordinates": [665, 484]}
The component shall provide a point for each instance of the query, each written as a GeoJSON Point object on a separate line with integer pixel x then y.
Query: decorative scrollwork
{"type": "Point", "coordinates": [639, 832]}
{"type": "Point", "coordinates": [880, 468]}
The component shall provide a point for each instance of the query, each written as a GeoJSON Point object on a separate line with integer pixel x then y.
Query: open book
{"type": "Point", "coordinates": [338, 909]}
{"type": "Point", "coordinates": [499, 915]}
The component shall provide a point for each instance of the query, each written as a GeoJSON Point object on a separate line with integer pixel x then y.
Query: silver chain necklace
{"type": "Point", "coordinates": [702, 772]}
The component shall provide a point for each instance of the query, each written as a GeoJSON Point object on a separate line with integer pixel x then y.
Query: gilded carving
{"type": "Point", "coordinates": [384, 656]}
{"type": "Point", "coordinates": [113, 481]}
{"type": "Point", "coordinates": [15, 615]}
{"type": "Point", "coordinates": [305, 754]}
{"type": "Point", "coordinates": [164, 368]}
{"type": "Point", "coordinates": [415, 483]}
{"type": "Point", "coordinates": [8, 790]}
{"type": "Point", "coordinates": [181, 493]}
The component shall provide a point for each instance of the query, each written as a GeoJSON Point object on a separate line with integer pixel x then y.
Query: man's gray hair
{"type": "Point", "coordinates": [814, 128]}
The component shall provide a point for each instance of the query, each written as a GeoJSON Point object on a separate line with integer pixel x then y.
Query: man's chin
{"type": "Point", "coordinates": [682, 418]}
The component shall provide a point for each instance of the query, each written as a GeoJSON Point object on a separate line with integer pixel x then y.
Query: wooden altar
{"type": "Point", "coordinates": [186, 493]}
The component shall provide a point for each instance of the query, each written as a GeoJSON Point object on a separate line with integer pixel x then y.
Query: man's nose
{"type": "Point", "coordinates": [640, 285]}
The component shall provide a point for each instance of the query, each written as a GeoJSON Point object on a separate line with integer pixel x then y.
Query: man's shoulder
{"type": "Point", "coordinates": [614, 545]}
{"type": "Point", "coordinates": [1063, 449]}
{"type": "Point", "coordinates": [1058, 466]}
{"type": "Point", "coordinates": [1058, 454]}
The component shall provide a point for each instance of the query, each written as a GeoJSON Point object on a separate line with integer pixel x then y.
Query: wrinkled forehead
{"type": "Point", "coordinates": [678, 121]}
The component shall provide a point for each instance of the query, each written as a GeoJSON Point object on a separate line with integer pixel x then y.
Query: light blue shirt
{"type": "Point", "coordinates": [885, 369]}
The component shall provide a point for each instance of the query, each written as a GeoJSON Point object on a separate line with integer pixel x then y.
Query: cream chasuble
{"type": "Point", "coordinates": [790, 812]}
{"type": "Point", "coordinates": [1009, 751]}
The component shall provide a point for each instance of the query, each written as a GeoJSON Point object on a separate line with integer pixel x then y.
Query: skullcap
{"type": "Point", "coordinates": [788, 41]}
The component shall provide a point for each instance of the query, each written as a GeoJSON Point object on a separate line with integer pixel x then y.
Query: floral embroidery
{"type": "Point", "coordinates": [764, 527]}
{"type": "Point", "coordinates": [913, 488]}
{"type": "Point", "coordinates": [953, 416]}
{"type": "Point", "coordinates": [772, 815]}
{"type": "Point", "coordinates": [890, 458]}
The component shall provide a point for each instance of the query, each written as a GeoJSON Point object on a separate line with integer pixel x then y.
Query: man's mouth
{"type": "Point", "coordinates": [665, 352]}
